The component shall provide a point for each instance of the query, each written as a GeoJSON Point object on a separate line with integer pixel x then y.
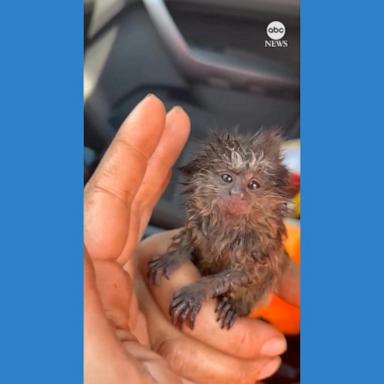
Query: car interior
{"type": "Point", "coordinates": [209, 57]}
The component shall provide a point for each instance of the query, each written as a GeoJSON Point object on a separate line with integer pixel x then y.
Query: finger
{"type": "Point", "coordinates": [104, 358]}
{"type": "Point", "coordinates": [246, 339]}
{"type": "Point", "coordinates": [111, 190]}
{"type": "Point", "coordinates": [153, 363]}
{"type": "Point", "coordinates": [175, 135]}
{"type": "Point", "coordinates": [123, 166]}
{"type": "Point", "coordinates": [193, 359]}
{"type": "Point", "coordinates": [289, 287]}
{"type": "Point", "coordinates": [157, 175]}
{"type": "Point", "coordinates": [231, 319]}
{"type": "Point", "coordinates": [115, 289]}
{"type": "Point", "coordinates": [199, 362]}
{"type": "Point", "coordinates": [221, 304]}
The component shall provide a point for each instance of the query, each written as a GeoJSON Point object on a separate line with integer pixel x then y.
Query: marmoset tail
{"type": "Point", "coordinates": [237, 191]}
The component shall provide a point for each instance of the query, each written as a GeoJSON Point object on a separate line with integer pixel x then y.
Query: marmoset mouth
{"type": "Point", "coordinates": [236, 205]}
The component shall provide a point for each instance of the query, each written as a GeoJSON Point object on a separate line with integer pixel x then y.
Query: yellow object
{"type": "Point", "coordinates": [296, 202]}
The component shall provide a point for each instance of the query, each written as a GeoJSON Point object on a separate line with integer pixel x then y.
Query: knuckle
{"type": "Point", "coordinates": [103, 188]}
{"type": "Point", "coordinates": [124, 144]}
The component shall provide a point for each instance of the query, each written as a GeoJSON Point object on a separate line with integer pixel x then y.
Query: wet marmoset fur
{"type": "Point", "coordinates": [237, 190]}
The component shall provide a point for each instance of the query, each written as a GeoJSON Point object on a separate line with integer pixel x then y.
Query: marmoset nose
{"type": "Point", "coordinates": [236, 192]}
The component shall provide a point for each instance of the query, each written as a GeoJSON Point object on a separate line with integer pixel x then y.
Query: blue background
{"type": "Point", "coordinates": [41, 162]}
{"type": "Point", "coordinates": [342, 128]}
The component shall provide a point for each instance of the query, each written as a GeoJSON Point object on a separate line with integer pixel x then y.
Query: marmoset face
{"type": "Point", "coordinates": [239, 176]}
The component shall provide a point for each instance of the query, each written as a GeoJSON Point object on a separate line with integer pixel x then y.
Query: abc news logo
{"type": "Point", "coordinates": [276, 31]}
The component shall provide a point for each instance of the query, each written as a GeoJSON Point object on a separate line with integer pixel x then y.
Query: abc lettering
{"type": "Point", "coordinates": [275, 30]}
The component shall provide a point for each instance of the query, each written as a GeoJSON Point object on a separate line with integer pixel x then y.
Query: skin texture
{"type": "Point", "coordinates": [237, 190]}
{"type": "Point", "coordinates": [125, 341]}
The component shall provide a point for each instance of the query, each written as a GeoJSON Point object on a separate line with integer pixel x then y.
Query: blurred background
{"type": "Point", "coordinates": [209, 57]}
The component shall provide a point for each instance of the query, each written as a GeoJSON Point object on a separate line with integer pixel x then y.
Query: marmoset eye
{"type": "Point", "coordinates": [253, 184]}
{"type": "Point", "coordinates": [227, 178]}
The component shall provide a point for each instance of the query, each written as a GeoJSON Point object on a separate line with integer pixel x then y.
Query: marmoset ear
{"type": "Point", "coordinates": [195, 165]}
{"type": "Point", "coordinates": [189, 168]}
{"type": "Point", "coordinates": [210, 152]}
{"type": "Point", "coordinates": [269, 141]}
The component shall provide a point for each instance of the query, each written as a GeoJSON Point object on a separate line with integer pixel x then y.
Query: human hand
{"type": "Point", "coordinates": [248, 339]}
{"type": "Point", "coordinates": [118, 337]}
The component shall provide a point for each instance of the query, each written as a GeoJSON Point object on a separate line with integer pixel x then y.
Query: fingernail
{"type": "Point", "coordinates": [269, 369]}
{"type": "Point", "coordinates": [274, 347]}
{"type": "Point", "coordinates": [176, 109]}
{"type": "Point", "coordinates": [150, 96]}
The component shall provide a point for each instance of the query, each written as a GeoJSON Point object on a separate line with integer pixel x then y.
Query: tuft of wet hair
{"type": "Point", "coordinates": [260, 152]}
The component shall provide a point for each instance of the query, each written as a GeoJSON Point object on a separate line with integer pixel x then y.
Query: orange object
{"type": "Point", "coordinates": [284, 316]}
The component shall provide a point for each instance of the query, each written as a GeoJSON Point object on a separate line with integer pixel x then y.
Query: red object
{"type": "Point", "coordinates": [295, 181]}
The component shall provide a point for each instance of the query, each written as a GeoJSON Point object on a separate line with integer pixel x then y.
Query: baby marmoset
{"type": "Point", "coordinates": [237, 190]}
